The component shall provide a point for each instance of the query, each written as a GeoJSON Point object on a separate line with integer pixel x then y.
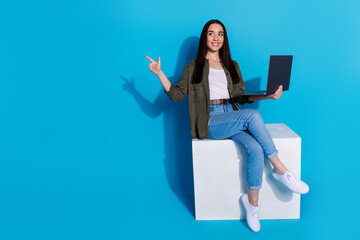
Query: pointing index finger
{"type": "Point", "coordinates": [150, 59]}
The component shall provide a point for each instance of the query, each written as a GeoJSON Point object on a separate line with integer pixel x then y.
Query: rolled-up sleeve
{"type": "Point", "coordinates": [179, 92]}
{"type": "Point", "coordinates": [242, 100]}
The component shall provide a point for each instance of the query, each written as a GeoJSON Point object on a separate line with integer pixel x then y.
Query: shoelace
{"type": "Point", "coordinates": [288, 175]}
{"type": "Point", "coordinates": [256, 212]}
{"type": "Point", "coordinates": [291, 179]}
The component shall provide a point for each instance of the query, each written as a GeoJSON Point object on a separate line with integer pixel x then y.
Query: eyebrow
{"type": "Point", "coordinates": [214, 31]}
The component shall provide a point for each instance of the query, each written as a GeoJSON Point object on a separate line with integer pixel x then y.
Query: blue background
{"type": "Point", "coordinates": [91, 148]}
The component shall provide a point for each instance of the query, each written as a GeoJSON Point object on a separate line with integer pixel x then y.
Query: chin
{"type": "Point", "coordinates": [214, 50]}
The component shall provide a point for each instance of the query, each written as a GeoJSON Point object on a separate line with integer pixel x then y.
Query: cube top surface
{"type": "Point", "coordinates": [280, 130]}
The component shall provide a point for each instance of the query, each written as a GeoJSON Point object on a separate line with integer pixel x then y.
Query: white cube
{"type": "Point", "coordinates": [220, 180]}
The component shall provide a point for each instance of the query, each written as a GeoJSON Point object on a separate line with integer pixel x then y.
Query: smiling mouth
{"type": "Point", "coordinates": [215, 44]}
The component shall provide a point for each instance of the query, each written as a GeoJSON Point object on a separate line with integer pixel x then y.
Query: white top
{"type": "Point", "coordinates": [218, 84]}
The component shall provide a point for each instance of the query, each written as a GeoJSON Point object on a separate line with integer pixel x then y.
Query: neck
{"type": "Point", "coordinates": [213, 56]}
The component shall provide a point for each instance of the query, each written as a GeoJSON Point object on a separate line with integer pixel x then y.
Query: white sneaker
{"type": "Point", "coordinates": [252, 214]}
{"type": "Point", "coordinates": [292, 182]}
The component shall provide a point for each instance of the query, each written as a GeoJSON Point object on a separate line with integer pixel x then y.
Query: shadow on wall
{"type": "Point", "coordinates": [178, 152]}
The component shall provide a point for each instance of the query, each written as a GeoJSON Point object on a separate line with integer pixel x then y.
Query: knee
{"type": "Point", "coordinates": [255, 115]}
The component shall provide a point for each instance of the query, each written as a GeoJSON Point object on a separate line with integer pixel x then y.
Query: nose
{"type": "Point", "coordinates": [215, 37]}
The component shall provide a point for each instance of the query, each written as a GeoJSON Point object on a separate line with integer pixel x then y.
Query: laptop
{"type": "Point", "coordinates": [279, 74]}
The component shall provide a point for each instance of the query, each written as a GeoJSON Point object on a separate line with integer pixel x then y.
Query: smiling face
{"type": "Point", "coordinates": [215, 37]}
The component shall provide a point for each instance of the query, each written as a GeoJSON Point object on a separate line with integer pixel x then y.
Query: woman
{"type": "Point", "coordinates": [213, 82]}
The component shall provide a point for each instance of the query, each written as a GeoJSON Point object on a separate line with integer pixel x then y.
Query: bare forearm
{"type": "Point", "coordinates": [164, 81]}
{"type": "Point", "coordinates": [257, 98]}
{"type": "Point", "coordinates": [275, 95]}
{"type": "Point", "coordinates": [155, 67]}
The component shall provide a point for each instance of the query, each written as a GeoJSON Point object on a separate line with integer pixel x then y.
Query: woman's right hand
{"type": "Point", "coordinates": [155, 67]}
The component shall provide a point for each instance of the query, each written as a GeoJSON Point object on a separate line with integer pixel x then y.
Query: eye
{"type": "Point", "coordinates": [221, 34]}
{"type": "Point", "coordinates": [210, 33]}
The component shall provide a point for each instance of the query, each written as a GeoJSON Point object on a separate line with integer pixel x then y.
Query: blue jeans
{"type": "Point", "coordinates": [246, 127]}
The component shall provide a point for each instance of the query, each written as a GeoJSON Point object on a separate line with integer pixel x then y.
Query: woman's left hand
{"type": "Point", "coordinates": [277, 94]}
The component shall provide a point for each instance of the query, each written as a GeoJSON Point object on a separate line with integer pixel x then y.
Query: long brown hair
{"type": "Point", "coordinates": [224, 54]}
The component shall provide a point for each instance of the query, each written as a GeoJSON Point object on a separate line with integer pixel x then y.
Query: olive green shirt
{"type": "Point", "coordinates": [199, 96]}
